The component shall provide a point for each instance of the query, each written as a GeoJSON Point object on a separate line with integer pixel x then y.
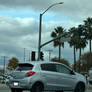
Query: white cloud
{"type": "Point", "coordinates": [73, 9]}
{"type": "Point", "coordinates": [16, 33]}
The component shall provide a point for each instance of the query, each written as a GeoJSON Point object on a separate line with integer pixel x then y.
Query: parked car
{"type": "Point", "coordinates": [90, 76]}
{"type": "Point", "coordinates": [40, 76]}
{"type": "Point", "coordinates": [1, 78]}
{"type": "Point", "coordinates": [4, 78]}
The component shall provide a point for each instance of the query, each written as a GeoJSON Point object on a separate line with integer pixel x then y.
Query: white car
{"type": "Point", "coordinates": [1, 78]}
{"type": "Point", "coordinates": [90, 76]}
{"type": "Point", "coordinates": [40, 76]}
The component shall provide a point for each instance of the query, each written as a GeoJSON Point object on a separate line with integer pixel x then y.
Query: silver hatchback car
{"type": "Point", "coordinates": [40, 76]}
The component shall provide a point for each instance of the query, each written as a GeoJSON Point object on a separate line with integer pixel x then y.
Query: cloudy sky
{"type": "Point", "coordinates": [19, 25]}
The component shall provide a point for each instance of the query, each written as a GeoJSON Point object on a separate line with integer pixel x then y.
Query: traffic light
{"type": "Point", "coordinates": [33, 56]}
{"type": "Point", "coordinates": [42, 56]}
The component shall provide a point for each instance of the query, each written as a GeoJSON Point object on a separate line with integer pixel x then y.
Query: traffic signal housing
{"type": "Point", "coordinates": [41, 56]}
{"type": "Point", "coordinates": [33, 56]}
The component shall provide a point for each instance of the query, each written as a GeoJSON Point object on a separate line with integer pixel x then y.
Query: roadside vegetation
{"type": "Point", "coordinates": [13, 63]}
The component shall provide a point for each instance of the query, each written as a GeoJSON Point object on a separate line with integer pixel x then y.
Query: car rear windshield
{"type": "Point", "coordinates": [24, 67]}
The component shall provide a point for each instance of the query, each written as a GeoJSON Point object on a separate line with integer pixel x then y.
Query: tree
{"type": "Point", "coordinates": [81, 42]}
{"type": "Point", "coordinates": [86, 62]}
{"type": "Point", "coordinates": [55, 59]}
{"type": "Point", "coordinates": [57, 32]}
{"type": "Point", "coordinates": [73, 42]}
{"type": "Point", "coordinates": [13, 63]}
{"type": "Point", "coordinates": [78, 40]}
{"type": "Point", "coordinates": [1, 70]}
{"type": "Point", "coordinates": [88, 30]}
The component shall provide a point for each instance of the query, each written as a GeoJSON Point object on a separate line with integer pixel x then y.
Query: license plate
{"type": "Point", "coordinates": [16, 83]}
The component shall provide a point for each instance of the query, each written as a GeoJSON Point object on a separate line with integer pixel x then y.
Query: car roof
{"type": "Point", "coordinates": [41, 62]}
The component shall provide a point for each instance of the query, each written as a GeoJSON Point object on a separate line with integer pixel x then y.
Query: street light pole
{"type": "Point", "coordinates": [40, 24]}
{"type": "Point", "coordinates": [39, 48]}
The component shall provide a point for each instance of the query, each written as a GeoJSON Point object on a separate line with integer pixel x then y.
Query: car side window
{"type": "Point", "coordinates": [48, 67]}
{"type": "Point", "coordinates": [62, 69]}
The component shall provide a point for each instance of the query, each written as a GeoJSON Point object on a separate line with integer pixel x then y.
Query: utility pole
{"type": "Point", "coordinates": [4, 64]}
{"type": "Point", "coordinates": [49, 54]}
{"type": "Point", "coordinates": [24, 54]}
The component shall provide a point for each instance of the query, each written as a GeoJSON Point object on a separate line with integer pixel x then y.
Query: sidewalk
{"type": "Point", "coordinates": [89, 86]}
{"type": "Point", "coordinates": [3, 86]}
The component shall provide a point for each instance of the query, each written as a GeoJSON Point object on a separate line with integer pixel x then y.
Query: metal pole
{"type": "Point", "coordinates": [4, 66]}
{"type": "Point", "coordinates": [49, 54]}
{"type": "Point", "coordinates": [24, 54]}
{"type": "Point", "coordinates": [40, 24]}
{"type": "Point", "coordinates": [4, 69]}
{"type": "Point", "coordinates": [39, 48]}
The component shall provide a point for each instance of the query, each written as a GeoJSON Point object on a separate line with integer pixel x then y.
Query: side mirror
{"type": "Point", "coordinates": [72, 72]}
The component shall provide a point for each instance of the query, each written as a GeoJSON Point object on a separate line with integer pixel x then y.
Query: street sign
{"type": "Point", "coordinates": [65, 39]}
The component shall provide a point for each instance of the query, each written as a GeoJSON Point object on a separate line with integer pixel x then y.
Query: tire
{"type": "Point", "coordinates": [37, 88]}
{"type": "Point", "coordinates": [80, 88]}
{"type": "Point", "coordinates": [15, 90]}
{"type": "Point", "coordinates": [19, 90]}
{"type": "Point", "coordinates": [90, 82]}
{"type": "Point", "coordinates": [59, 91]}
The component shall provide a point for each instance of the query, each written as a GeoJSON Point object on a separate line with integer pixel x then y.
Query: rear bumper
{"type": "Point", "coordinates": [21, 84]}
{"type": "Point", "coordinates": [90, 80]}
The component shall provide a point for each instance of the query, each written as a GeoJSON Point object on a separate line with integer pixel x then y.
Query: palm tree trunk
{"type": "Point", "coordinates": [79, 58]}
{"type": "Point", "coordinates": [74, 59]}
{"type": "Point", "coordinates": [59, 52]}
{"type": "Point", "coordinates": [90, 45]}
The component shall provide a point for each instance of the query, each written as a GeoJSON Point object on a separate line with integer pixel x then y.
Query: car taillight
{"type": "Point", "coordinates": [30, 74]}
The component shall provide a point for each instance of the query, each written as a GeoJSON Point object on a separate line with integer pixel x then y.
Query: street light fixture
{"type": "Point", "coordinates": [40, 24]}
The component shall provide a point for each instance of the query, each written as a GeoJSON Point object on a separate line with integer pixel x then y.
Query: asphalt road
{"type": "Point", "coordinates": [28, 91]}
{"type": "Point", "coordinates": [8, 90]}
{"type": "Point", "coordinates": [4, 88]}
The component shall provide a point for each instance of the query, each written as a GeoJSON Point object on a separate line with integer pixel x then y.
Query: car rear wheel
{"type": "Point", "coordinates": [90, 82]}
{"type": "Point", "coordinates": [80, 88]}
{"type": "Point", "coordinates": [37, 88]}
{"type": "Point", "coordinates": [15, 90]}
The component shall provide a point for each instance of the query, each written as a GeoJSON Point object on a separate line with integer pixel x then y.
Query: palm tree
{"type": "Point", "coordinates": [88, 30]}
{"type": "Point", "coordinates": [56, 33]}
{"type": "Point", "coordinates": [73, 43]}
{"type": "Point", "coordinates": [78, 40]}
{"type": "Point", "coordinates": [81, 41]}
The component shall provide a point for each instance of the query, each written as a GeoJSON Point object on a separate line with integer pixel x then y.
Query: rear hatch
{"type": "Point", "coordinates": [22, 70]}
